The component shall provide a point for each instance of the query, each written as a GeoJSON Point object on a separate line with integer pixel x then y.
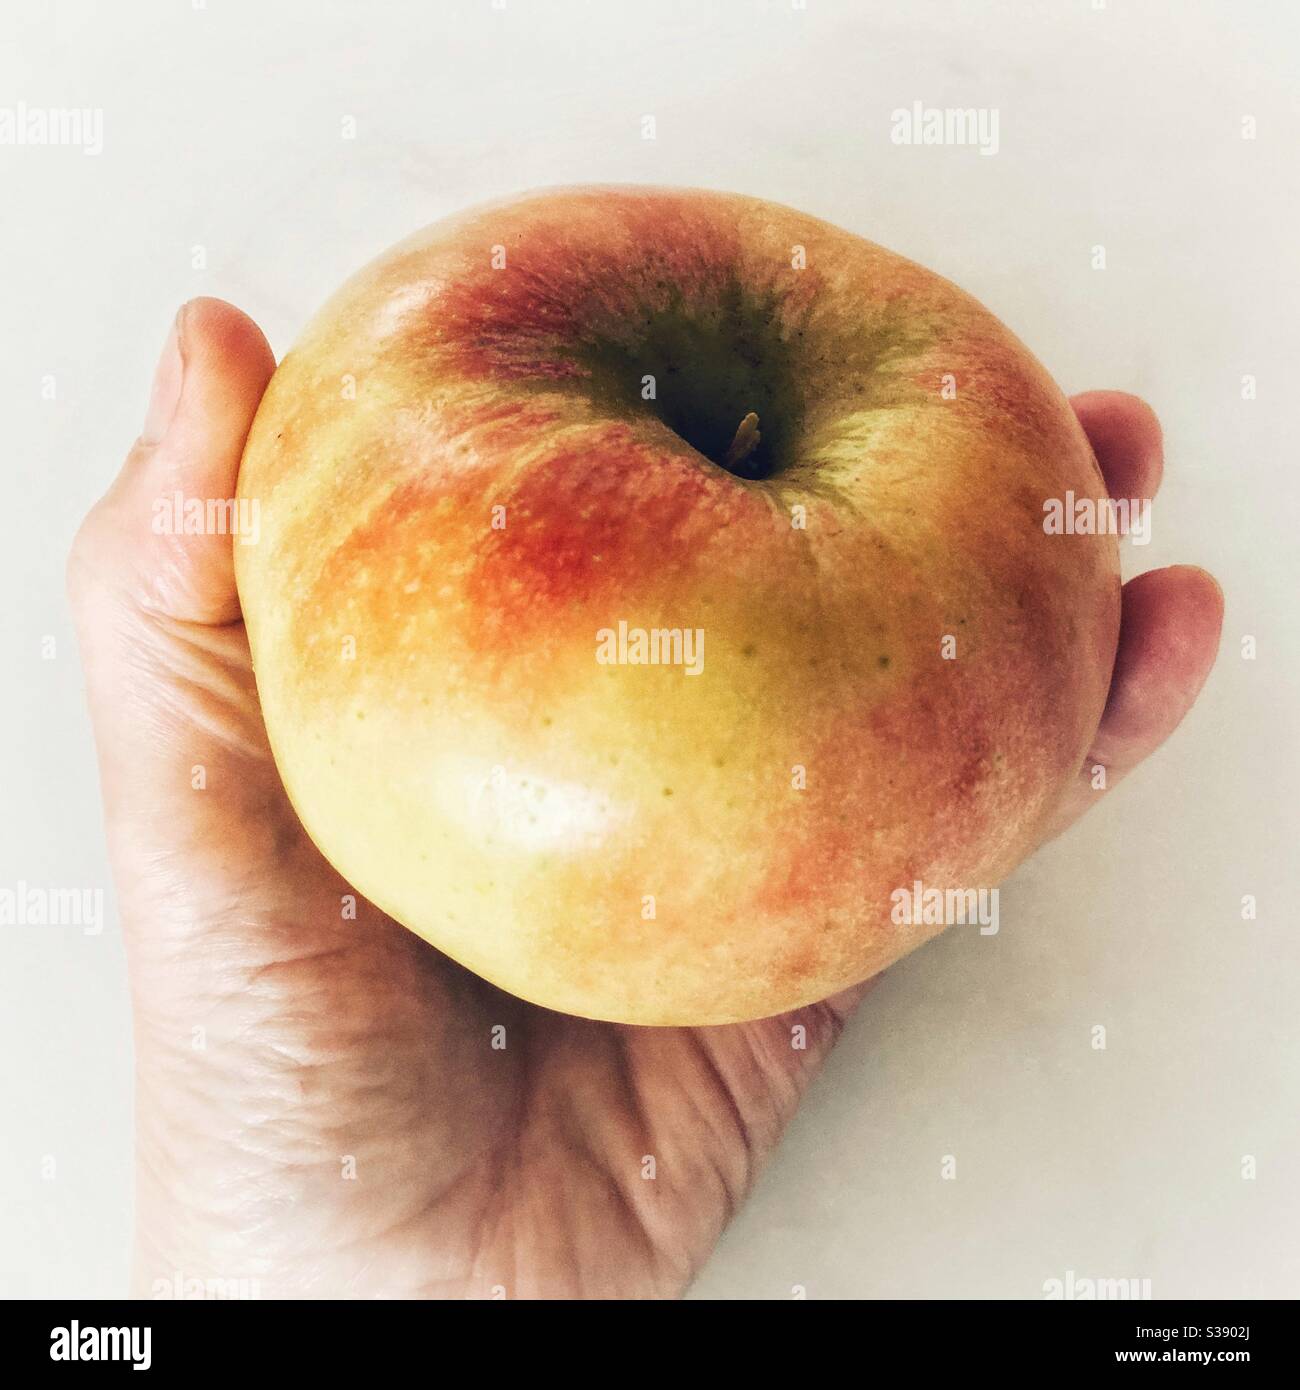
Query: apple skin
{"type": "Point", "coordinates": [630, 842]}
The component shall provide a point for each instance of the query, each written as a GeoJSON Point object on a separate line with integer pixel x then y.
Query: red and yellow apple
{"type": "Point", "coordinates": [519, 448]}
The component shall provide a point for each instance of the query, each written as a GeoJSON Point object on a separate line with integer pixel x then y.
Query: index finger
{"type": "Point", "coordinates": [1125, 436]}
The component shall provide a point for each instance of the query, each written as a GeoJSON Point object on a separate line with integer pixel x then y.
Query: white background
{"type": "Point", "coordinates": [1119, 126]}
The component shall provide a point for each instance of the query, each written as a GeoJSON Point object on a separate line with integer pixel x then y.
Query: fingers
{"type": "Point", "coordinates": [1125, 436]}
{"type": "Point", "coordinates": [1170, 622]}
{"type": "Point", "coordinates": [1169, 637]}
{"type": "Point", "coordinates": [161, 538]}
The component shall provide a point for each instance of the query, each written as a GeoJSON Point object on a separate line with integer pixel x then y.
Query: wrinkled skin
{"type": "Point", "coordinates": [332, 1047]}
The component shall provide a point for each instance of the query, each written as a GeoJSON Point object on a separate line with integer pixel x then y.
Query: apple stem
{"type": "Point", "coordinates": [746, 441]}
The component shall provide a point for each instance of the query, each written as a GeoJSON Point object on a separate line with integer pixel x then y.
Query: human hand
{"type": "Point", "coordinates": [320, 1106]}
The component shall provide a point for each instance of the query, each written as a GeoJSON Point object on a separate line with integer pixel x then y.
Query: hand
{"type": "Point", "coordinates": [320, 1106]}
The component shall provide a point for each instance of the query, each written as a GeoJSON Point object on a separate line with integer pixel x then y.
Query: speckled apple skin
{"type": "Point", "coordinates": [896, 690]}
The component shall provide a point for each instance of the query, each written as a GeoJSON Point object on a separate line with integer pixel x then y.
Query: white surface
{"type": "Point", "coordinates": [1120, 127]}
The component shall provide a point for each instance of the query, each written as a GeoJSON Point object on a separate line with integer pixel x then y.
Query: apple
{"type": "Point", "coordinates": [652, 587]}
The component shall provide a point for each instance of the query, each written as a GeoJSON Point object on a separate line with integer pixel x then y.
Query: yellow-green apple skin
{"type": "Point", "coordinates": [509, 434]}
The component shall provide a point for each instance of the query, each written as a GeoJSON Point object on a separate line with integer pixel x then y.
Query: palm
{"type": "Point", "coordinates": [494, 1145]}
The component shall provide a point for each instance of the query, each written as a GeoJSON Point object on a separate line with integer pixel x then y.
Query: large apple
{"type": "Point", "coordinates": [653, 588]}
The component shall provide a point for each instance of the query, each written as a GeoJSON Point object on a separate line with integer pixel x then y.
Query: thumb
{"type": "Point", "coordinates": [154, 601]}
{"type": "Point", "coordinates": [161, 536]}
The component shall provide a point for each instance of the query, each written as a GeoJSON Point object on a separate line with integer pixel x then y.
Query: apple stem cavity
{"type": "Point", "coordinates": [745, 442]}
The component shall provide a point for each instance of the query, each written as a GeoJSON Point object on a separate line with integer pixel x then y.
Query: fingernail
{"type": "Point", "coordinates": [166, 392]}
